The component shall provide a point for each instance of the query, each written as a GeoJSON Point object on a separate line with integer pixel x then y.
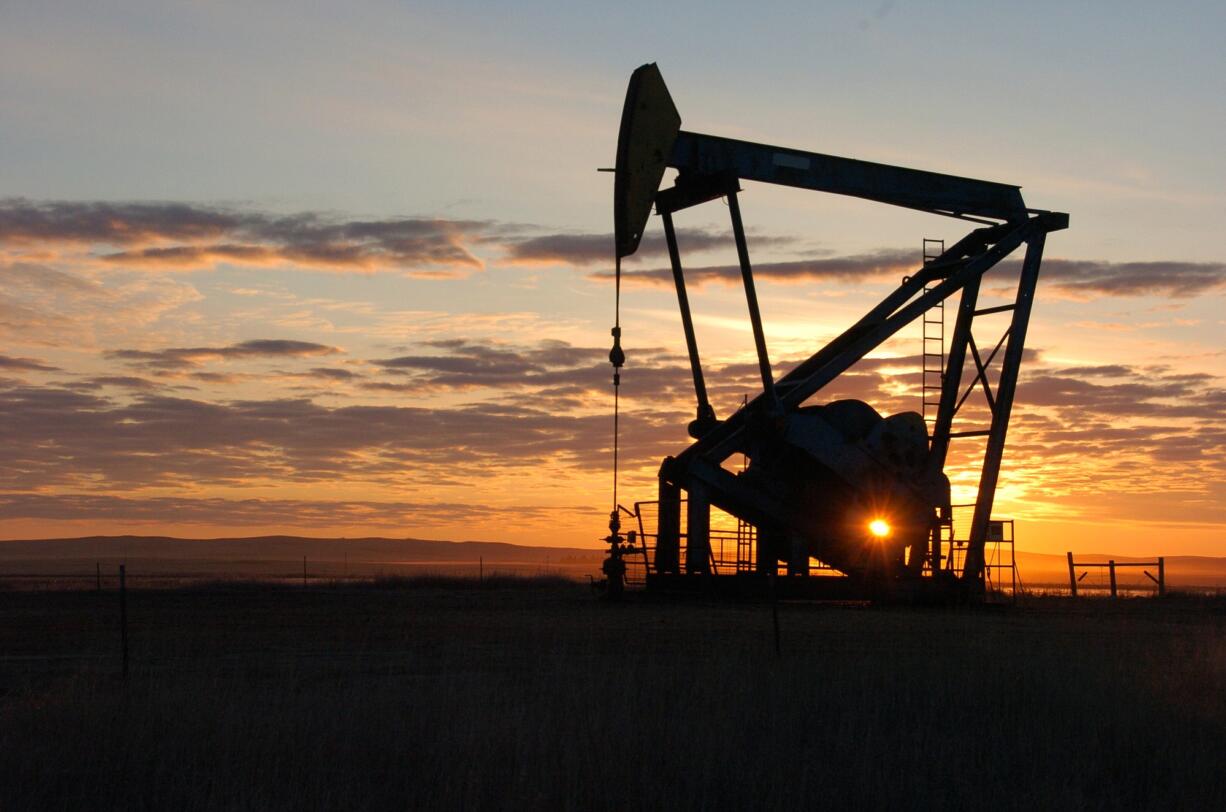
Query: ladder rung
{"type": "Point", "coordinates": [982, 433]}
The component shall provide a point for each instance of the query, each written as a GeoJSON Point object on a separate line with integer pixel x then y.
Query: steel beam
{"type": "Point", "coordinates": [751, 298]}
{"type": "Point", "coordinates": [983, 368]}
{"type": "Point", "coordinates": [1005, 389]}
{"type": "Point", "coordinates": [912, 188]}
{"type": "Point", "coordinates": [697, 529]}
{"type": "Point", "coordinates": [767, 558]}
{"type": "Point", "coordinates": [982, 374]}
{"type": "Point", "coordinates": [705, 413]}
{"type": "Point", "coordinates": [668, 528]}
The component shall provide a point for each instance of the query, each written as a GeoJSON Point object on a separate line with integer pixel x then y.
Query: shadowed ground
{"type": "Point", "coordinates": [532, 694]}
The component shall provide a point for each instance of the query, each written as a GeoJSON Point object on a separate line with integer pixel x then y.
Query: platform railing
{"type": "Point", "coordinates": [733, 549]}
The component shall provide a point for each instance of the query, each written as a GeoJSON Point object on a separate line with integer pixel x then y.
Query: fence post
{"type": "Point", "coordinates": [1111, 568]}
{"type": "Point", "coordinates": [123, 616]}
{"type": "Point", "coordinates": [1161, 576]}
{"type": "Point", "coordinates": [1072, 576]}
{"type": "Point", "coordinates": [481, 571]}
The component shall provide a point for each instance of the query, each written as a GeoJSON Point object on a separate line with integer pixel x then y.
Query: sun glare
{"type": "Point", "coordinates": [880, 528]}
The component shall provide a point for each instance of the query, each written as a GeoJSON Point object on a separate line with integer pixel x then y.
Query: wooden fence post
{"type": "Point", "coordinates": [1072, 576]}
{"type": "Point", "coordinates": [1161, 576]}
{"type": "Point", "coordinates": [1111, 569]}
{"type": "Point", "coordinates": [123, 616]}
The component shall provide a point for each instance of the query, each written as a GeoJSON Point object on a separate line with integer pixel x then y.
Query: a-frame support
{"type": "Point", "coordinates": [959, 270]}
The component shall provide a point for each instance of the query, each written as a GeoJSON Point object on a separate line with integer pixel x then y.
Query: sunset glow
{"type": "Point", "coordinates": [233, 307]}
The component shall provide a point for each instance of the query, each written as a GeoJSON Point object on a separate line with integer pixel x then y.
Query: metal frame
{"type": "Point", "coordinates": [711, 167]}
{"type": "Point", "coordinates": [958, 270]}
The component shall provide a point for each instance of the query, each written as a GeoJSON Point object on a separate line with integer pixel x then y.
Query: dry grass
{"type": "Point", "coordinates": [537, 696]}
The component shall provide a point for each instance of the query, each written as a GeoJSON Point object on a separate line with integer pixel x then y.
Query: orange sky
{"type": "Point", "coordinates": [324, 283]}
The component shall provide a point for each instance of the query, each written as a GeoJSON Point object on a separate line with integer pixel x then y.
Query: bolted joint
{"type": "Point", "coordinates": [703, 422]}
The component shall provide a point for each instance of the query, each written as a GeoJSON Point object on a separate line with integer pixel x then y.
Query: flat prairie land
{"type": "Point", "coordinates": [531, 694]}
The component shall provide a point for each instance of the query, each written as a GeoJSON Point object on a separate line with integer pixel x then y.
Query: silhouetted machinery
{"type": "Point", "coordinates": [836, 483]}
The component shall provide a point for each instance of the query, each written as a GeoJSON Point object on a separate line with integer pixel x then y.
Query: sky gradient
{"type": "Point", "coordinates": [347, 273]}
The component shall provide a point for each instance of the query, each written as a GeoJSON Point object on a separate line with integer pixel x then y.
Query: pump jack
{"type": "Point", "coordinates": [838, 483]}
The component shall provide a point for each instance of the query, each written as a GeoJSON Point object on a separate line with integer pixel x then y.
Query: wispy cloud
{"type": "Point", "coordinates": [50, 306]}
{"type": "Point", "coordinates": [1089, 278]}
{"type": "Point", "coordinates": [1079, 429]}
{"type": "Point", "coordinates": [1078, 279]}
{"type": "Point", "coordinates": [179, 236]}
{"type": "Point", "coordinates": [8, 362]}
{"type": "Point", "coordinates": [596, 249]}
{"type": "Point", "coordinates": [303, 513]}
{"type": "Point", "coordinates": [188, 357]}
{"type": "Point", "coordinates": [887, 263]}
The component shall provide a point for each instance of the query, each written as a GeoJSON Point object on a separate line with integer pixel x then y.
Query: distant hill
{"type": "Point", "coordinates": [162, 559]}
{"type": "Point", "coordinates": [286, 548]}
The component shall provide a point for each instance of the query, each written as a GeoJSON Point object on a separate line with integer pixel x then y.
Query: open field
{"type": "Point", "coordinates": [532, 694]}
{"type": "Point", "coordinates": [162, 562]}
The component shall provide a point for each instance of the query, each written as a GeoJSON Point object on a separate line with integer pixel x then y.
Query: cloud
{"type": "Point", "coordinates": [121, 382]}
{"type": "Point", "coordinates": [552, 369]}
{"type": "Point", "coordinates": [180, 236]}
{"type": "Point", "coordinates": [8, 362]}
{"type": "Point", "coordinates": [49, 306]}
{"type": "Point", "coordinates": [55, 436]}
{"type": "Point", "coordinates": [177, 358]}
{"type": "Point", "coordinates": [1077, 429]}
{"type": "Point", "coordinates": [333, 373]}
{"type": "Point", "coordinates": [1079, 279]}
{"type": "Point", "coordinates": [259, 512]}
{"type": "Point", "coordinates": [23, 222]}
{"type": "Point", "coordinates": [886, 263]}
{"type": "Point", "coordinates": [596, 249]}
{"type": "Point", "coordinates": [1088, 278]}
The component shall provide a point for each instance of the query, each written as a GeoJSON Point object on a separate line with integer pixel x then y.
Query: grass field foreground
{"type": "Point", "coordinates": [536, 695]}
